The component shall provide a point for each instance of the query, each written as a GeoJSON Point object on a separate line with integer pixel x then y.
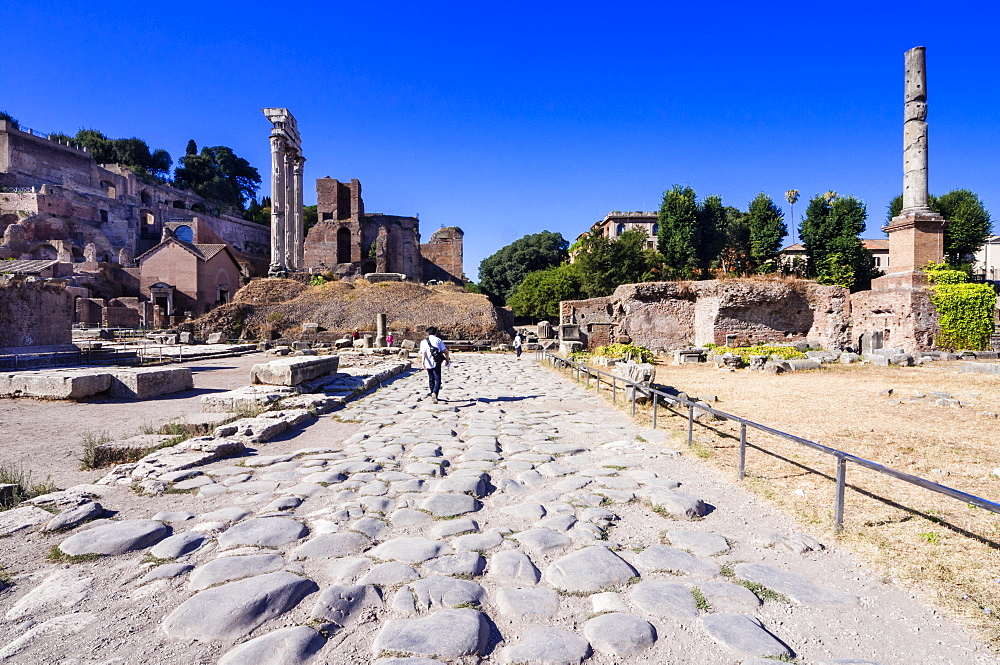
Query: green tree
{"type": "Point", "coordinates": [132, 153]}
{"type": "Point", "coordinates": [735, 257]}
{"type": "Point", "coordinates": [830, 233]}
{"type": "Point", "coordinates": [765, 222]}
{"type": "Point", "coordinates": [792, 196]}
{"type": "Point", "coordinates": [217, 173]}
{"type": "Point", "coordinates": [679, 231]}
{"type": "Point", "coordinates": [607, 263]}
{"type": "Point", "coordinates": [310, 215]}
{"type": "Point", "coordinates": [969, 224]}
{"type": "Point", "coordinates": [540, 292]}
{"type": "Point", "coordinates": [261, 212]}
{"type": "Point", "coordinates": [502, 271]}
{"type": "Point", "coordinates": [711, 234]}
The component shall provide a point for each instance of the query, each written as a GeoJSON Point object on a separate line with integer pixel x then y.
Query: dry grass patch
{"type": "Point", "coordinates": [945, 550]}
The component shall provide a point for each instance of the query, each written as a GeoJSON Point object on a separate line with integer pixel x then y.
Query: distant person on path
{"type": "Point", "coordinates": [433, 354]}
{"type": "Point", "coordinates": [517, 345]}
{"type": "Point", "coordinates": [355, 335]}
{"type": "Point", "coordinates": [388, 339]}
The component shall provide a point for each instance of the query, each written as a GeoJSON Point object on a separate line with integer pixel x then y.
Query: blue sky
{"type": "Point", "coordinates": [510, 118]}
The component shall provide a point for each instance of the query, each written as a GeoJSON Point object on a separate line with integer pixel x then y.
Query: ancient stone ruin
{"type": "Point", "coordinates": [287, 162]}
{"type": "Point", "coordinates": [350, 242]}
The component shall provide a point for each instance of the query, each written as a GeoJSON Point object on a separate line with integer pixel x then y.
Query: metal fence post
{"type": "Point", "coordinates": [743, 449]}
{"type": "Point", "coordinates": [655, 396]}
{"type": "Point", "coordinates": [614, 391]}
{"type": "Point", "coordinates": [838, 506]}
{"type": "Point", "coordinates": [633, 401]}
{"type": "Point", "coordinates": [690, 425]}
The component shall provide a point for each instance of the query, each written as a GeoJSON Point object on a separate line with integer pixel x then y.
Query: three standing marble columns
{"type": "Point", "coordinates": [287, 231]}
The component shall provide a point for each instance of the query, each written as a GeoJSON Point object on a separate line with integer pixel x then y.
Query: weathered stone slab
{"type": "Point", "coordinates": [115, 538]}
{"type": "Point", "coordinates": [263, 532]}
{"type": "Point", "coordinates": [166, 571]}
{"type": "Point", "coordinates": [449, 505]}
{"type": "Point", "coordinates": [744, 635]}
{"type": "Point", "coordinates": [664, 599]}
{"type": "Point", "coordinates": [445, 634]}
{"type": "Point", "coordinates": [388, 574]}
{"type": "Point", "coordinates": [527, 602]}
{"type": "Point", "coordinates": [61, 588]}
{"type": "Point", "coordinates": [233, 610]}
{"type": "Point", "coordinates": [286, 646]}
{"type": "Point", "coordinates": [144, 383]}
{"type": "Point", "coordinates": [800, 589]}
{"type": "Point", "coordinates": [344, 605]}
{"type": "Point", "coordinates": [247, 398]}
{"type": "Point", "coordinates": [226, 569]}
{"type": "Point", "coordinates": [294, 370]}
{"type": "Point", "coordinates": [178, 545]}
{"type": "Point", "coordinates": [466, 564]}
{"type": "Point", "coordinates": [16, 519]}
{"type": "Point", "coordinates": [727, 597]}
{"type": "Point", "coordinates": [671, 560]}
{"type": "Point", "coordinates": [619, 634]}
{"type": "Point", "coordinates": [441, 591]}
{"type": "Point", "coordinates": [333, 545]}
{"type": "Point", "coordinates": [590, 569]}
{"type": "Point", "coordinates": [547, 645]}
{"type": "Point", "coordinates": [543, 541]}
{"type": "Point", "coordinates": [679, 504]}
{"type": "Point", "coordinates": [701, 543]}
{"type": "Point", "coordinates": [54, 384]}
{"type": "Point", "coordinates": [410, 550]}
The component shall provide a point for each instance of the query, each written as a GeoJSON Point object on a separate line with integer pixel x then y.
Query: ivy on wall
{"type": "Point", "coordinates": [965, 310]}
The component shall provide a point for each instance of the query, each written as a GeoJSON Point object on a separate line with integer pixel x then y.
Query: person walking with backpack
{"type": "Point", "coordinates": [517, 344]}
{"type": "Point", "coordinates": [434, 354]}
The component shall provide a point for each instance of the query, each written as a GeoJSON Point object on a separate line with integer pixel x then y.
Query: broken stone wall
{"type": "Point", "coordinates": [34, 313]}
{"type": "Point", "coordinates": [904, 315]}
{"type": "Point", "coordinates": [444, 256]}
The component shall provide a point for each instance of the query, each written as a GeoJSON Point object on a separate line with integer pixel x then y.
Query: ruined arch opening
{"type": "Point", "coordinates": [343, 245]}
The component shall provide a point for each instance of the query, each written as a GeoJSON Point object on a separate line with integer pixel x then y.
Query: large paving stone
{"type": "Point", "coordinates": [178, 545]}
{"type": "Point", "coordinates": [464, 564]}
{"type": "Point", "coordinates": [679, 504]}
{"type": "Point", "coordinates": [263, 532]}
{"type": "Point", "coordinates": [700, 543]}
{"type": "Point", "coordinates": [439, 591]}
{"type": "Point", "coordinates": [12, 521]}
{"type": "Point", "coordinates": [727, 597]}
{"type": "Point", "coordinates": [669, 559]}
{"type": "Point", "coordinates": [228, 568]}
{"type": "Point", "coordinates": [513, 568]}
{"type": "Point", "coordinates": [590, 569]}
{"type": "Point", "coordinates": [477, 542]}
{"type": "Point", "coordinates": [544, 645]}
{"type": "Point", "coordinates": [346, 605]}
{"type": "Point", "coordinates": [61, 588]}
{"type": "Point", "coordinates": [744, 635]}
{"type": "Point", "coordinates": [800, 589]}
{"type": "Point", "coordinates": [115, 538]}
{"type": "Point", "coordinates": [450, 505]}
{"type": "Point", "coordinates": [72, 517]}
{"type": "Point", "coordinates": [514, 601]}
{"type": "Point", "coordinates": [410, 550]}
{"type": "Point", "coordinates": [286, 646]}
{"type": "Point", "coordinates": [664, 599]}
{"type": "Point", "coordinates": [389, 574]}
{"type": "Point", "coordinates": [331, 545]}
{"type": "Point", "coordinates": [233, 610]}
{"type": "Point", "coordinates": [543, 541]}
{"type": "Point", "coordinates": [619, 634]}
{"type": "Point", "coordinates": [445, 634]}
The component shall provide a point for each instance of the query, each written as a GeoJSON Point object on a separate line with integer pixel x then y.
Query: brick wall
{"type": "Point", "coordinates": [34, 314]}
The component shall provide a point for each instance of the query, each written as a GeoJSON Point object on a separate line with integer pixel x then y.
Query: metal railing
{"type": "Point", "coordinates": [842, 458]}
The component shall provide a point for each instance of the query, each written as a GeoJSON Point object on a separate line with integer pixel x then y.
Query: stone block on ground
{"type": "Point", "coordinates": [16, 519]}
{"type": "Point", "coordinates": [590, 569]}
{"type": "Point", "coordinates": [800, 589]}
{"type": "Point", "coordinates": [54, 384]}
{"type": "Point", "coordinates": [544, 644]}
{"type": "Point", "coordinates": [345, 605]}
{"type": "Point", "coordinates": [744, 634]}
{"type": "Point", "coordinates": [293, 371]}
{"type": "Point", "coordinates": [144, 383]}
{"type": "Point", "coordinates": [248, 398]}
{"type": "Point", "coordinates": [619, 634]}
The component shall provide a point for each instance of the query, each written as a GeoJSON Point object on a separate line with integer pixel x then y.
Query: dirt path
{"type": "Point", "coordinates": [46, 437]}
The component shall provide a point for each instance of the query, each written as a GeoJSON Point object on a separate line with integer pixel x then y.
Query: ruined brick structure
{"type": "Point", "coordinates": [350, 242]}
{"type": "Point", "coordinates": [667, 315]}
{"type": "Point", "coordinates": [34, 313]}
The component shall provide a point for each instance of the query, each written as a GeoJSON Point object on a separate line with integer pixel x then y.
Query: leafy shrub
{"type": "Point", "coordinates": [316, 280]}
{"type": "Point", "coordinates": [24, 488]}
{"type": "Point", "coordinates": [783, 352]}
{"type": "Point", "coordinates": [638, 353]}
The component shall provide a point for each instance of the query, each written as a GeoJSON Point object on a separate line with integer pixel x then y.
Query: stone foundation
{"type": "Point", "coordinates": [293, 371]}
